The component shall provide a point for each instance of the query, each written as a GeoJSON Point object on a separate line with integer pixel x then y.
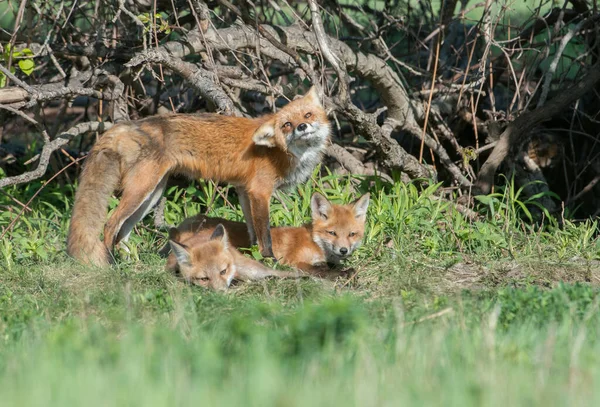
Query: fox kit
{"type": "Point", "coordinates": [335, 232]}
{"type": "Point", "coordinates": [213, 262]}
{"type": "Point", "coordinates": [255, 155]}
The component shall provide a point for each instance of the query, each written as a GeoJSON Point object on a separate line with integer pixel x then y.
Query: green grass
{"type": "Point", "coordinates": [75, 336]}
{"type": "Point", "coordinates": [444, 311]}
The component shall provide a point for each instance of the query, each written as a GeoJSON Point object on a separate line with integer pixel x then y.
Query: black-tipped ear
{"type": "Point", "coordinates": [173, 234]}
{"type": "Point", "coordinates": [320, 206]}
{"type": "Point", "coordinates": [181, 253]}
{"type": "Point", "coordinates": [361, 205]}
{"type": "Point", "coordinates": [220, 234]}
{"type": "Point", "coordinates": [265, 135]}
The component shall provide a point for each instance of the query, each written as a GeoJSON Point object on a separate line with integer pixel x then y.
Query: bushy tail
{"type": "Point", "coordinates": [99, 179]}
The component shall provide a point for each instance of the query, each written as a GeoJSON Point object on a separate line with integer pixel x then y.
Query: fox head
{"type": "Point", "coordinates": [299, 125]}
{"type": "Point", "coordinates": [338, 229]}
{"type": "Point", "coordinates": [205, 263]}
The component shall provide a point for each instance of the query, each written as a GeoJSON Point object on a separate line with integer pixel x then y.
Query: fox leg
{"type": "Point", "coordinates": [259, 207]}
{"type": "Point", "coordinates": [249, 269]}
{"type": "Point", "coordinates": [141, 186]}
{"type": "Point", "coordinates": [245, 204]}
{"type": "Point", "coordinates": [142, 211]}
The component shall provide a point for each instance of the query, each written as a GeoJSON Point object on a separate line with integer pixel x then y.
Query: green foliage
{"type": "Point", "coordinates": [573, 303]}
{"type": "Point", "coordinates": [23, 59]}
{"type": "Point", "coordinates": [443, 310]}
{"type": "Point", "coordinates": [416, 223]}
{"type": "Point", "coordinates": [159, 24]}
{"type": "Point", "coordinates": [93, 340]}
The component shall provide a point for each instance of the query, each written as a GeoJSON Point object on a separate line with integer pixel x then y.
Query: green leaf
{"type": "Point", "coordinates": [2, 80]}
{"type": "Point", "coordinates": [27, 52]}
{"type": "Point", "coordinates": [6, 54]}
{"type": "Point", "coordinates": [27, 66]}
{"type": "Point", "coordinates": [485, 199]}
{"type": "Point", "coordinates": [525, 210]}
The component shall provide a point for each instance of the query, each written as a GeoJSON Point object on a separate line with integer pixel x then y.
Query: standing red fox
{"type": "Point", "coordinates": [333, 235]}
{"type": "Point", "coordinates": [256, 155]}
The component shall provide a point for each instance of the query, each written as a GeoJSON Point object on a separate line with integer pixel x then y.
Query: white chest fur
{"type": "Point", "coordinates": [305, 157]}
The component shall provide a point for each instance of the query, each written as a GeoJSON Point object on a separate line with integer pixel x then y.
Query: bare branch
{"type": "Point", "coordinates": [554, 64]}
{"type": "Point", "coordinates": [202, 80]}
{"type": "Point", "coordinates": [352, 164]}
{"type": "Point", "coordinates": [51, 146]}
{"type": "Point", "coordinates": [527, 121]}
{"type": "Point", "coordinates": [337, 63]}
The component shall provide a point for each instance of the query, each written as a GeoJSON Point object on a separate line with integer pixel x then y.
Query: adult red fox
{"type": "Point", "coordinates": [212, 262]}
{"type": "Point", "coordinates": [333, 235]}
{"type": "Point", "coordinates": [256, 155]}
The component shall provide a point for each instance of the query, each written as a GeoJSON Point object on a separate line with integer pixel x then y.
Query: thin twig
{"type": "Point", "coordinates": [12, 224]}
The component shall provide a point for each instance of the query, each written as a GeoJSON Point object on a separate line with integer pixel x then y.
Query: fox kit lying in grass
{"type": "Point", "coordinates": [255, 155]}
{"type": "Point", "coordinates": [212, 262]}
{"type": "Point", "coordinates": [335, 232]}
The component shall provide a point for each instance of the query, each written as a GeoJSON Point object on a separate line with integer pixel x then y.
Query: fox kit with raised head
{"type": "Point", "coordinates": [213, 262]}
{"type": "Point", "coordinates": [256, 155]}
{"type": "Point", "coordinates": [335, 232]}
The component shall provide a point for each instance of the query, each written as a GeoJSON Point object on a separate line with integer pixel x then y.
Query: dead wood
{"type": "Point", "coordinates": [238, 59]}
{"type": "Point", "coordinates": [526, 122]}
{"type": "Point", "coordinates": [51, 146]}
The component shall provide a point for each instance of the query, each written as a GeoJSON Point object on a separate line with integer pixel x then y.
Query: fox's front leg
{"type": "Point", "coordinates": [245, 204]}
{"type": "Point", "coordinates": [259, 207]}
{"type": "Point", "coordinates": [249, 269]}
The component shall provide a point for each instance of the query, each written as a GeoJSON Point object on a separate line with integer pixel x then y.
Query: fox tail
{"type": "Point", "coordinates": [99, 178]}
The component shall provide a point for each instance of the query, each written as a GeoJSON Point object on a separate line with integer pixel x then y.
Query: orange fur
{"type": "Point", "coordinates": [335, 232]}
{"type": "Point", "coordinates": [256, 155]}
{"type": "Point", "coordinates": [211, 261]}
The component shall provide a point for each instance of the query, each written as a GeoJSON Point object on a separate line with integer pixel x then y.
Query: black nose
{"type": "Point", "coordinates": [343, 250]}
{"type": "Point", "coordinates": [302, 126]}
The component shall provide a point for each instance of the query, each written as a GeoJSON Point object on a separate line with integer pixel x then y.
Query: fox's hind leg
{"type": "Point", "coordinates": [142, 187]}
{"type": "Point", "coordinates": [142, 211]}
{"type": "Point", "coordinates": [245, 204]}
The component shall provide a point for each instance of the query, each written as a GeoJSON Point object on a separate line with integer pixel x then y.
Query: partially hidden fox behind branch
{"type": "Point", "coordinates": [335, 232]}
{"type": "Point", "coordinates": [212, 262]}
{"type": "Point", "coordinates": [256, 155]}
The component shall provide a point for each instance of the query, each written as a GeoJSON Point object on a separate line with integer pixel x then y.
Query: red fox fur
{"type": "Point", "coordinates": [335, 232]}
{"type": "Point", "coordinates": [212, 262]}
{"type": "Point", "coordinates": [256, 155]}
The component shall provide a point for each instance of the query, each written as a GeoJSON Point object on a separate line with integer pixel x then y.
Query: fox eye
{"type": "Point", "coordinates": [287, 125]}
{"type": "Point", "coordinates": [352, 234]}
{"type": "Point", "coordinates": [223, 271]}
{"type": "Point", "coordinates": [203, 278]}
{"type": "Point", "coordinates": [331, 232]}
{"type": "Point", "coordinates": [307, 115]}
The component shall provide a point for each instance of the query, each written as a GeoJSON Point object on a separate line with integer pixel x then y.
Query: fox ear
{"type": "Point", "coordinates": [220, 234]}
{"type": "Point", "coordinates": [360, 206]}
{"type": "Point", "coordinates": [173, 234]}
{"type": "Point", "coordinates": [265, 135]}
{"type": "Point", "coordinates": [312, 96]}
{"type": "Point", "coordinates": [320, 207]}
{"type": "Point", "coordinates": [181, 253]}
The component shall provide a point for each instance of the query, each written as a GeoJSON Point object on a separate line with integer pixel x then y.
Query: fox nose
{"type": "Point", "coordinates": [343, 250]}
{"type": "Point", "coordinates": [302, 126]}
